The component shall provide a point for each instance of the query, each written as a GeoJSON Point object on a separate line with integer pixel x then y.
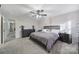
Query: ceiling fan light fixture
{"type": "Point", "coordinates": [42, 10]}
{"type": "Point", "coordinates": [38, 13]}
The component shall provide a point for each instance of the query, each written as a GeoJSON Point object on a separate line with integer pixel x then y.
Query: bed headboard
{"type": "Point", "coordinates": [57, 27]}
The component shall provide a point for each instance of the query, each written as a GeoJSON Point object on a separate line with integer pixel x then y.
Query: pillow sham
{"type": "Point", "coordinates": [44, 30]}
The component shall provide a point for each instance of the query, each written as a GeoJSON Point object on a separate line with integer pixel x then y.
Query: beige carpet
{"type": "Point", "coordinates": [26, 46]}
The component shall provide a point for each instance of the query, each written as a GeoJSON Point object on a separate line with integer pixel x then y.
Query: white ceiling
{"type": "Point", "coordinates": [20, 10]}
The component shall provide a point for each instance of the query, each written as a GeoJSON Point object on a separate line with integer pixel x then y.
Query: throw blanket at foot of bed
{"type": "Point", "coordinates": [48, 39]}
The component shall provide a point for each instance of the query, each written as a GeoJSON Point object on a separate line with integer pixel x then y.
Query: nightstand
{"type": "Point", "coordinates": [64, 37]}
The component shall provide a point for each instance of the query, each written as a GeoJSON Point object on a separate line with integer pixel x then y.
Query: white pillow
{"type": "Point", "coordinates": [44, 30]}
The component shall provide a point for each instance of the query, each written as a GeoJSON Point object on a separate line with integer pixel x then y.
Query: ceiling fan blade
{"type": "Point", "coordinates": [43, 14]}
{"type": "Point", "coordinates": [32, 12]}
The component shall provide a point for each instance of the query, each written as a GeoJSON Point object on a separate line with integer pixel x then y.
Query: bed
{"type": "Point", "coordinates": [45, 37]}
{"type": "Point", "coordinates": [48, 39]}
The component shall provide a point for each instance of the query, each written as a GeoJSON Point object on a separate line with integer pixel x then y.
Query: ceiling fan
{"type": "Point", "coordinates": [38, 13]}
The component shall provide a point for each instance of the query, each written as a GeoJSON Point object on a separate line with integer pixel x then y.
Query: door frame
{"type": "Point", "coordinates": [2, 40]}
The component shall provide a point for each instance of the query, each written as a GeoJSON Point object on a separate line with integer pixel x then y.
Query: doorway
{"type": "Point", "coordinates": [10, 32]}
{"type": "Point", "coordinates": [7, 30]}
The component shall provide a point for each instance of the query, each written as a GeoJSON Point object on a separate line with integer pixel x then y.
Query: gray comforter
{"type": "Point", "coordinates": [46, 38]}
